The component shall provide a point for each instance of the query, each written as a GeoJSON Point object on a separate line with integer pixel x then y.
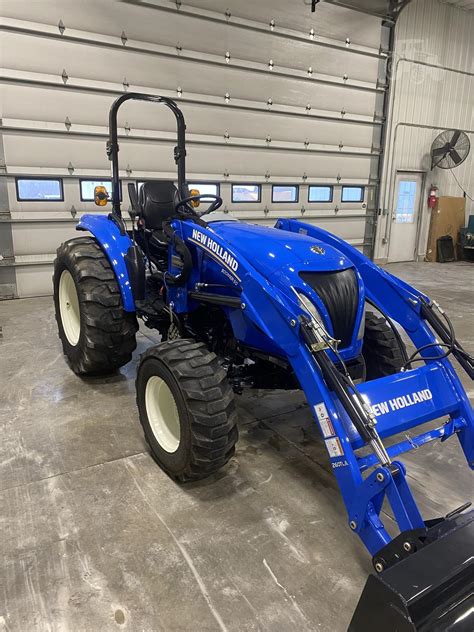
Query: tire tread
{"type": "Point", "coordinates": [109, 331]}
{"type": "Point", "coordinates": [209, 402]}
{"type": "Point", "coordinates": [382, 353]}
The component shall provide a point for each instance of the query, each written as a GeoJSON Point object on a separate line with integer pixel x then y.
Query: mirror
{"type": "Point", "coordinates": [101, 196]}
{"type": "Point", "coordinates": [195, 203]}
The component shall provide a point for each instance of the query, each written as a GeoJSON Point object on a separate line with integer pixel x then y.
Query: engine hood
{"type": "Point", "coordinates": [278, 253]}
{"type": "Point", "coordinates": [295, 260]}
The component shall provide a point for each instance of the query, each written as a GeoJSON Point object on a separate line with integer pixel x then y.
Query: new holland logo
{"type": "Point", "coordinates": [397, 403]}
{"type": "Point", "coordinates": [318, 250]}
{"type": "Point", "coordinates": [215, 250]}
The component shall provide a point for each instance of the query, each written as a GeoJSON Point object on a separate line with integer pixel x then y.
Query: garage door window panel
{"type": "Point", "coordinates": [87, 189]}
{"type": "Point", "coordinates": [205, 188]}
{"type": "Point", "coordinates": [39, 190]}
{"type": "Point", "coordinates": [285, 193]}
{"type": "Point", "coordinates": [320, 193]}
{"type": "Point", "coordinates": [246, 193]}
{"type": "Point", "coordinates": [352, 194]}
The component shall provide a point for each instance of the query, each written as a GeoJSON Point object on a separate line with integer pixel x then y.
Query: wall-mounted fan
{"type": "Point", "coordinates": [450, 149]}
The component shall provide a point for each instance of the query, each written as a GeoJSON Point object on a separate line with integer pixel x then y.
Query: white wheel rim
{"type": "Point", "coordinates": [162, 413]}
{"type": "Point", "coordinates": [69, 308]}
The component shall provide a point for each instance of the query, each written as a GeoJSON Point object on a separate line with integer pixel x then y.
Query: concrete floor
{"type": "Point", "coordinates": [94, 536]}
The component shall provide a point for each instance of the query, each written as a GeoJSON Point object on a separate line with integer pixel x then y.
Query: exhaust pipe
{"type": "Point", "coordinates": [429, 590]}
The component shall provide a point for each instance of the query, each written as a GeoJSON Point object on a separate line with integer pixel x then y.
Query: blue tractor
{"type": "Point", "coordinates": [245, 306]}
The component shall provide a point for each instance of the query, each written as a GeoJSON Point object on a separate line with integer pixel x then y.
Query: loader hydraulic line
{"type": "Point", "coordinates": [350, 401]}
{"type": "Point", "coordinates": [464, 359]}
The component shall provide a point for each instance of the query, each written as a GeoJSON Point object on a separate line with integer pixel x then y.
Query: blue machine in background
{"type": "Point", "coordinates": [240, 305]}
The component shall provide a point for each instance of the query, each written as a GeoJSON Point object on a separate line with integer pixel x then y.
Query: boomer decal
{"type": "Point", "coordinates": [214, 249]}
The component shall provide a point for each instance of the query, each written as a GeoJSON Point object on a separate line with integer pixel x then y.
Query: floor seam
{"type": "Point", "coordinates": [297, 448]}
{"type": "Point", "coordinates": [86, 467]}
{"type": "Point", "coordinates": [79, 469]}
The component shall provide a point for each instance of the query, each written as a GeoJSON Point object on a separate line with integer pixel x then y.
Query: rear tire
{"type": "Point", "coordinates": [97, 334]}
{"type": "Point", "coordinates": [382, 351]}
{"type": "Point", "coordinates": [186, 408]}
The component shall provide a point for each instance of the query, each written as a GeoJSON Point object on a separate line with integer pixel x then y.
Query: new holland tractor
{"type": "Point", "coordinates": [290, 307]}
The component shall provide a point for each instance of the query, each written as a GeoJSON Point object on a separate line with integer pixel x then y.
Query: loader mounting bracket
{"type": "Point", "coordinates": [412, 540]}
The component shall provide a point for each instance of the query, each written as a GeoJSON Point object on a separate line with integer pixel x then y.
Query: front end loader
{"type": "Point", "coordinates": [244, 306]}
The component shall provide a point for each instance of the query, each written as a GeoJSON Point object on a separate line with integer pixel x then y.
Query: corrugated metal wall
{"type": "Point", "coordinates": [271, 93]}
{"type": "Point", "coordinates": [432, 90]}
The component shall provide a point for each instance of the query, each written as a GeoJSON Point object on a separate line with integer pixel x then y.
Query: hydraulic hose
{"type": "Point", "coordinates": [448, 337]}
{"type": "Point", "coordinates": [353, 407]}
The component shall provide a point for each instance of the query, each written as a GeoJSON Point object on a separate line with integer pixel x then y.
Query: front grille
{"type": "Point", "coordinates": [339, 291]}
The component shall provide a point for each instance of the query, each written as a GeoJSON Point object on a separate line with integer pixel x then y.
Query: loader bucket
{"type": "Point", "coordinates": [431, 590]}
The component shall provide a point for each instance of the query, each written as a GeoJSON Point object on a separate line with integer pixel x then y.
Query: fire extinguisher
{"type": "Point", "coordinates": [433, 196]}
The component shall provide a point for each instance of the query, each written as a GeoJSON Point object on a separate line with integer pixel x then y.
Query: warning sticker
{"type": "Point", "coordinates": [324, 421]}
{"type": "Point", "coordinates": [334, 447]}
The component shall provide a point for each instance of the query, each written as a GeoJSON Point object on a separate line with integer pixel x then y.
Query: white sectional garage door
{"type": "Point", "coordinates": [272, 94]}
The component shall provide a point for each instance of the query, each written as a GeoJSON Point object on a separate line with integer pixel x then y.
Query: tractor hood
{"type": "Point", "coordinates": [307, 264]}
{"type": "Point", "coordinates": [278, 253]}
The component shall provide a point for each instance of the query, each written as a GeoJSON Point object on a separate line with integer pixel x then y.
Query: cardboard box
{"type": "Point", "coordinates": [447, 218]}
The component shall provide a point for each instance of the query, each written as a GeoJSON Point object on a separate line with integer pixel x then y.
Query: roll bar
{"type": "Point", "coordinates": [113, 146]}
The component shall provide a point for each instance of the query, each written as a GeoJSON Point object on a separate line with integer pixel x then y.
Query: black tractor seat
{"type": "Point", "coordinates": [156, 201]}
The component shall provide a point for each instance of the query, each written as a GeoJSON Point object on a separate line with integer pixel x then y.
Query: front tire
{"type": "Point", "coordinates": [186, 408]}
{"type": "Point", "coordinates": [97, 334]}
{"type": "Point", "coordinates": [382, 350]}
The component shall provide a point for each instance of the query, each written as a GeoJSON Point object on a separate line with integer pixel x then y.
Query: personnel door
{"type": "Point", "coordinates": [405, 216]}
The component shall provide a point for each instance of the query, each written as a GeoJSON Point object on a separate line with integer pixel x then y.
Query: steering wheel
{"type": "Point", "coordinates": [186, 202]}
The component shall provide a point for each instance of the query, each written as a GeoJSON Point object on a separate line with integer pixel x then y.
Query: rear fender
{"type": "Point", "coordinates": [115, 247]}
